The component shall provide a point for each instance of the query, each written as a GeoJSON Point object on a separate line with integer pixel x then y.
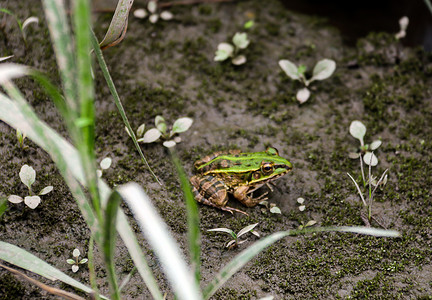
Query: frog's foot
{"type": "Point", "coordinates": [269, 185]}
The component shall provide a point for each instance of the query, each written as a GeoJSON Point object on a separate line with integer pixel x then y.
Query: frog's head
{"type": "Point", "coordinates": [272, 166]}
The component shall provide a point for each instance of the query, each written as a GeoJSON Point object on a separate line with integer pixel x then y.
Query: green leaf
{"type": "Point", "coordinates": [9, 71]}
{"type": "Point", "coordinates": [109, 240]}
{"type": "Point", "coordinates": [249, 24]}
{"type": "Point", "coordinates": [182, 125]}
{"type": "Point", "coordinates": [246, 229]}
{"type": "Point", "coordinates": [227, 230]}
{"type": "Point", "coordinates": [194, 235]}
{"type": "Point", "coordinates": [23, 259]}
{"type": "Point", "coordinates": [46, 190]}
{"type": "Point", "coordinates": [240, 40]}
{"type": "Point", "coordinates": [27, 175]}
{"type": "Point", "coordinates": [3, 205]}
{"type": "Point", "coordinates": [160, 124]}
{"type": "Point", "coordinates": [323, 69]}
{"type": "Point", "coordinates": [117, 28]}
{"type": "Point", "coordinates": [290, 69]}
{"type": "Point", "coordinates": [358, 130]}
{"type": "Point", "coordinates": [166, 249]}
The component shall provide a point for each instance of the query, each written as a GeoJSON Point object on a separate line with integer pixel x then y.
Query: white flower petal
{"type": "Point", "coordinates": [32, 201]}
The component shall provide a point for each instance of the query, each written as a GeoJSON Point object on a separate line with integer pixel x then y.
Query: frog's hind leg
{"type": "Point", "coordinates": [211, 191]}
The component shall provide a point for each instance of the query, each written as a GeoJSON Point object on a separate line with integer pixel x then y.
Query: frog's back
{"type": "Point", "coordinates": [215, 161]}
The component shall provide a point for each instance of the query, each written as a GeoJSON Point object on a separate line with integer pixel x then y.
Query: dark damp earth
{"type": "Point", "coordinates": [168, 69]}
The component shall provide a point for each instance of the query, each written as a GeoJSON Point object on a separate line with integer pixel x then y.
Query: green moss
{"type": "Point", "coordinates": [10, 287]}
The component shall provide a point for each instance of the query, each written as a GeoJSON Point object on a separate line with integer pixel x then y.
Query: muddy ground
{"type": "Point", "coordinates": [168, 69]}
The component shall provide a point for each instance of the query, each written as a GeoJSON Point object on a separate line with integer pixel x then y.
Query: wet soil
{"type": "Point", "coordinates": [168, 69]}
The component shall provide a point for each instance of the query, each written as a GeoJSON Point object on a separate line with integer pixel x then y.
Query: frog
{"type": "Point", "coordinates": [237, 173]}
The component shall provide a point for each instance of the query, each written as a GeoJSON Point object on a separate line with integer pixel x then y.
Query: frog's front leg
{"type": "Point", "coordinates": [211, 191]}
{"type": "Point", "coordinates": [241, 194]}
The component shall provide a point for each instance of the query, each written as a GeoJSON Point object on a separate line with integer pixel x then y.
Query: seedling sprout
{"type": "Point", "coordinates": [322, 70]}
{"type": "Point", "coordinates": [161, 131]}
{"type": "Point", "coordinates": [28, 176]}
{"type": "Point", "coordinates": [367, 203]}
{"type": "Point", "coordinates": [22, 25]}
{"type": "Point", "coordinates": [75, 261]}
{"type": "Point", "coordinates": [21, 137]}
{"type": "Point", "coordinates": [226, 50]}
{"type": "Point", "coordinates": [104, 165]}
{"type": "Point", "coordinates": [358, 130]}
{"type": "Point", "coordinates": [302, 208]}
{"type": "Point", "coordinates": [152, 13]}
{"type": "Point", "coordinates": [235, 241]}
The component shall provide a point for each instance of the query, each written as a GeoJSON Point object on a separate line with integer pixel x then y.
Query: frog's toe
{"type": "Point", "coordinates": [232, 210]}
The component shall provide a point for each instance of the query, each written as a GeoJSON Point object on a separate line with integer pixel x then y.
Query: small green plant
{"type": "Point", "coordinates": [104, 165]}
{"type": "Point", "coordinates": [22, 25]}
{"type": "Point", "coordinates": [302, 208]}
{"type": "Point", "coordinates": [368, 200]}
{"type": "Point", "coordinates": [75, 261]}
{"type": "Point", "coordinates": [322, 70]}
{"type": "Point", "coordinates": [358, 130]}
{"type": "Point", "coordinates": [227, 50]}
{"type": "Point", "coordinates": [271, 207]}
{"type": "Point", "coordinates": [235, 241]}
{"type": "Point", "coordinates": [21, 137]}
{"type": "Point", "coordinates": [28, 176]}
{"type": "Point", "coordinates": [161, 131]}
{"type": "Point", "coordinates": [152, 13]}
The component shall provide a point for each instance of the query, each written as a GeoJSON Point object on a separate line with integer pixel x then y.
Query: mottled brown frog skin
{"type": "Point", "coordinates": [237, 173]}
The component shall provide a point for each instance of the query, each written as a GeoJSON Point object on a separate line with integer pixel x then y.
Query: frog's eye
{"type": "Point", "coordinates": [267, 167]}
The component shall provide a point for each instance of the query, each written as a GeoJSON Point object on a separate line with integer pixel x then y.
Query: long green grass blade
{"type": "Point", "coordinates": [3, 205]}
{"type": "Point", "coordinates": [23, 259]}
{"type": "Point", "coordinates": [61, 37]}
{"type": "Point", "coordinates": [194, 236]}
{"type": "Point", "coordinates": [86, 120]}
{"type": "Point", "coordinates": [117, 101]}
{"type": "Point", "coordinates": [246, 255]}
{"type": "Point", "coordinates": [109, 241]}
{"type": "Point", "coordinates": [155, 230]}
{"type": "Point", "coordinates": [91, 266]}
{"type": "Point", "coordinates": [67, 160]}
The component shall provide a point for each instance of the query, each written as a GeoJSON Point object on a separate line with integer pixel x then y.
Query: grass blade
{"type": "Point", "coordinates": [194, 235]}
{"type": "Point", "coordinates": [181, 279]}
{"type": "Point", "coordinates": [67, 160]}
{"type": "Point", "coordinates": [109, 241]}
{"type": "Point", "coordinates": [117, 101]}
{"type": "Point", "coordinates": [61, 39]}
{"type": "Point", "coordinates": [23, 259]}
{"type": "Point", "coordinates": [117, 28]}
{"type": "Point", "coordinates": [246, 255]}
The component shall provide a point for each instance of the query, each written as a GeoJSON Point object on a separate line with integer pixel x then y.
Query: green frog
{"type": "Point", "coordinates": [237, 173]}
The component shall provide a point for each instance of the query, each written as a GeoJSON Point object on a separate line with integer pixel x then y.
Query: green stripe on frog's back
{"type": "Point", "coordinates": [239, 162]}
